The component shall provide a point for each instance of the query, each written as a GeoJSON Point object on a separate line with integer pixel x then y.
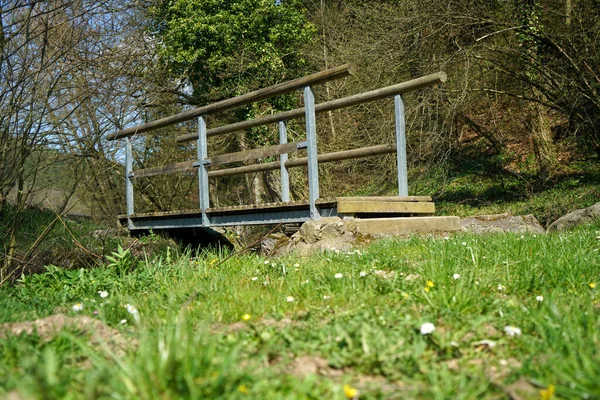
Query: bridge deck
{"type": "Point", "coordinates": [288, 212]}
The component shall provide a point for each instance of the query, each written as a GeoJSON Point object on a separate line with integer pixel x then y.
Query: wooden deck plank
{"type": "Point", "coordinates": [386, 198]}
{"type": "Point", "coordinates": [345, 205]}
{"type": "Point", "coordinates": [377, 207]}
{"type": "Point", "coordinates": [232, 209]}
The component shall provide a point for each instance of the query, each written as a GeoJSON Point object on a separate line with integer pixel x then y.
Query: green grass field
{"type": "Point", "coordinates": [513, 317]}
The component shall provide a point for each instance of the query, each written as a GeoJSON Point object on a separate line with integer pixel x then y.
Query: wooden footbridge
{"type": "Point", "coordinates": [286, 211]}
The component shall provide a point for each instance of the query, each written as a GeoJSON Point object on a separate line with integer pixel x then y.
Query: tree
{"type": "Point", "coordinates": [219, 49]}
{"type": "Point", "coordinates": [61, 76]}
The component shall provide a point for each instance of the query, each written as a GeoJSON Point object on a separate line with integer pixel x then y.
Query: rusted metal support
{"type": "Point", "coordinates": [257, 95]}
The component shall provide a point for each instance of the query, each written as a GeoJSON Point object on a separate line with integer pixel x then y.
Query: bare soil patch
{"type": "Point", "coordinates": [49, 327]}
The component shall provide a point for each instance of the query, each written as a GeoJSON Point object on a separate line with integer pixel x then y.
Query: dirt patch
{"type": "Point", "coordinates": [384, 274]}
{"type": "Point", "coordinates": [49, 327]}
{"type": "Point", "coordinates": [305, 365]}
{"type": "Point", "coordinates": [267, 322]}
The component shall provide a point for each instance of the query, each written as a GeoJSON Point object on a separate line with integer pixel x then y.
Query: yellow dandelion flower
{"type": "Point", "coordinates": [243, 389]}
{"type": "Point", "coordinates": [426, 288]}
{"type": "Point", "coordinates": [246, 317]}
{"type": "Point", "coordinates": [592, 285]}
{"type": "Point", "coordinates": [547, 394]}
{"type": "Point", "coordinates": [350, 392]}
{"type": "Point", "coordinates": [430, 284]}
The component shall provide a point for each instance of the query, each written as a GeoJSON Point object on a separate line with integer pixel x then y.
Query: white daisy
{"type": "Point", "coordinates": [512, 330]}
{"type": "Point", "coordinates": [77, 307]}
{"type": "Point", "coordinates": [338, 276]}
{"type": "Point", "coordinates": [133, 311]}
{"type": "Point", "coordinates": [427, 328]}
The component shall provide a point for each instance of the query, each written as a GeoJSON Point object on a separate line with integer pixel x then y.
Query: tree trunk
{"type": "Point", "coordinates": [543, 145]}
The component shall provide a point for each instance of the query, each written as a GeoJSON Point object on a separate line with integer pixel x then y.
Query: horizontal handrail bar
{"type": "Point", "coordinates": [253, 154]}
{"type": "Point", "coordinates": [270, 166]}
{"type": "Point", "coordinates": [164, 169]}
{"type": "Point", "coordinates": [223, 105]}
{"type": "Point", "coordinates": [302, 161]}
{"type": "Point", "coordinates": [400, 88]}
{"type": "Point", "coordinates": [221, 159]}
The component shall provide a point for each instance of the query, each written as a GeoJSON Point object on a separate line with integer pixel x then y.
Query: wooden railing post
{"type": "Point", "coordinates": [285, 177]}
{"type": "Point", "coordinates": [401, 146]}
{"type": "Point", "coordinates": [129, 176]}
{"type": "Point", "coordinates": [311, 138]}
{"type": "Point", "coordinates": [203, 170]}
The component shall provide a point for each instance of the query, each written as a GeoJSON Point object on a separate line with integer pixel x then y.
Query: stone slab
{"type": "Point", "coordinates": [407, 225]}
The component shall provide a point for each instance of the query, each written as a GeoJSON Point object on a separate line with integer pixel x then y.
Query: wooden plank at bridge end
{"type": "Point", "coordinates": [384, 207]}
{"type": "Point", "coordinates": [386, 198]}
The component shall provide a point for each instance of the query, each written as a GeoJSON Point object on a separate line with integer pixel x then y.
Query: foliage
{"type": "Point", "coordinates": [363, 325]}
{"type": "Point", "coordinates": [223, 49]}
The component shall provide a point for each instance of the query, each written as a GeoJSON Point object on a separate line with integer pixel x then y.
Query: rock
{"type": "Point", "coordinates": [273, 242]}
{"type": "Point", "coordinates": [497, 223]}
{"type": "Point", "coordinates": [325, 234]}
{"type": "Point", "coordinates": [322, 229]}
{"type": "Point", "coordinates": [578, 217]}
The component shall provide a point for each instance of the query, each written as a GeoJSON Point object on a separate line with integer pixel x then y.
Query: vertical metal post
{"type": "Point", "coordinates": [128, 176]}
{"type": "Point", "coordinates": [203, 170]}
{"type": "Point", "coordinates": [311, 138]}
{"type": "Point", "coordinates": [401, 146]}
{"type": "Point", "coordinates": [285, 177]}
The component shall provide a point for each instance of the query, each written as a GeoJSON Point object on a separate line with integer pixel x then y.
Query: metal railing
{"type": "Point", "coordinates": [203, 162]}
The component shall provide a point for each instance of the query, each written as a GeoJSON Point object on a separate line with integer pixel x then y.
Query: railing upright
{"type": "Point", "coordinates": [285, 177]}
{"type": "Point", "coordinates": [203, 170]}
{"type": "Point", "coordinates": [311, 137]}
{"type": "Point", "coordinates": [129, 176]}
{"type": "Point", "coordinates": [401, 146]}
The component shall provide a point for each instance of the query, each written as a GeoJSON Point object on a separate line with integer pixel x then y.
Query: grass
{"type": "Point", "coordinates": [210, 330]}
{"type": "Point", "coordinates": [480, 186]}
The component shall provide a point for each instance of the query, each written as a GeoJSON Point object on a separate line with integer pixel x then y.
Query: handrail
{"type": "Point", "coordinates": [317, 78]}
{"type": "Point", "coordinates": [270, 166]}
{"type": "Point", "coordinates": [400, 88]}
{"type": "Point", "coordinates": [204, 163]}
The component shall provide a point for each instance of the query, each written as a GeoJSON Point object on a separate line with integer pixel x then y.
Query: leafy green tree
{"type": "Point", "coordinates": [225, 48]}
{"type": "Point", "coordinates": [217, 49]}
